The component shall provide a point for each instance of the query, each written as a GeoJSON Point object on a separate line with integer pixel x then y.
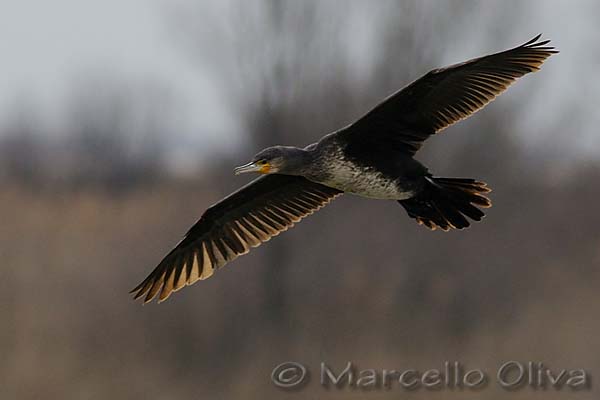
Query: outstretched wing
{"type": "Point", "coordinates": [444, 96]}
{"type": "Point", "coordinates": [248, 217]}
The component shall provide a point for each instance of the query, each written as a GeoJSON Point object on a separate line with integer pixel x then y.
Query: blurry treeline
{"type": "Point", "coordinates": [111, 139]}
{"type": "Point", "coordinates": [86, 214]}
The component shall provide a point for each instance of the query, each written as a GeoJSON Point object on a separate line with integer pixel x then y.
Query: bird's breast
{"type": "Point", "coordinates": [363, 181]}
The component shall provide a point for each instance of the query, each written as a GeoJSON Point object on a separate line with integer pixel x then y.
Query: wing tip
{"type": "Point", "coordinates": [535, 44]}
{"type": "Point", "coordinates": [140, 290]}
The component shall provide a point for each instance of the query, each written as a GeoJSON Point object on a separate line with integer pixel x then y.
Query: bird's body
{"type": "Point", "coordinates": [390, 178]}
{"type": "Point", "coordinates": [372, 157]}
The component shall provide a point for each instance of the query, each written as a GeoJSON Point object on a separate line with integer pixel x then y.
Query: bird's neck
{"type": "Point", "coordinates": [299, 162]}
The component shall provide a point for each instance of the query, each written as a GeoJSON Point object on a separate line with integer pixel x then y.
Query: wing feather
{"type": "Point", "coordinates": [443, 97]}
{"type": "Point", "coordinates": [254, 214]}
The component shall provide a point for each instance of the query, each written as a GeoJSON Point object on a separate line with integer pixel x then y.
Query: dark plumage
{"type": "Point", "coordinates": [372, 157]}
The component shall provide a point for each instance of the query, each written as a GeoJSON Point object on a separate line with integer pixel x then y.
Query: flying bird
{"type": "Point", "coordinates": [373, 157]}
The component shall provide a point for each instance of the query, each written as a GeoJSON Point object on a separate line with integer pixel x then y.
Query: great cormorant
{"type": "Point", "coordinates": [372, 157]}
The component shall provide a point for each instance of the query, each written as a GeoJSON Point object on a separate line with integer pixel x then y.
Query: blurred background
{"type": "Point", "coordinates": [120, 123]}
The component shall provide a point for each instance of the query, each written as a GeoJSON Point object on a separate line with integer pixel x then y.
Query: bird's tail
{"type": "Point", "coordinates": [446, 202]}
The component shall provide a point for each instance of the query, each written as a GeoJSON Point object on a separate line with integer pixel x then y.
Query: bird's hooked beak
{"type": "Point", "coordinates": [252, 167]}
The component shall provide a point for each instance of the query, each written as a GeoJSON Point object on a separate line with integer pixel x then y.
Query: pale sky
{"type": "Point", "coordinates": [48, 47]}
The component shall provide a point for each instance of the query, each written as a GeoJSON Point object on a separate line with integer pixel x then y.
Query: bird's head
{"type": "Point", "coordinates": [272, 160]}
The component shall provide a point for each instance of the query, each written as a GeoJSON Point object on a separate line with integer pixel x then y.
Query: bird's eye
{"type": "Point", "coordinates": [261, 162]}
